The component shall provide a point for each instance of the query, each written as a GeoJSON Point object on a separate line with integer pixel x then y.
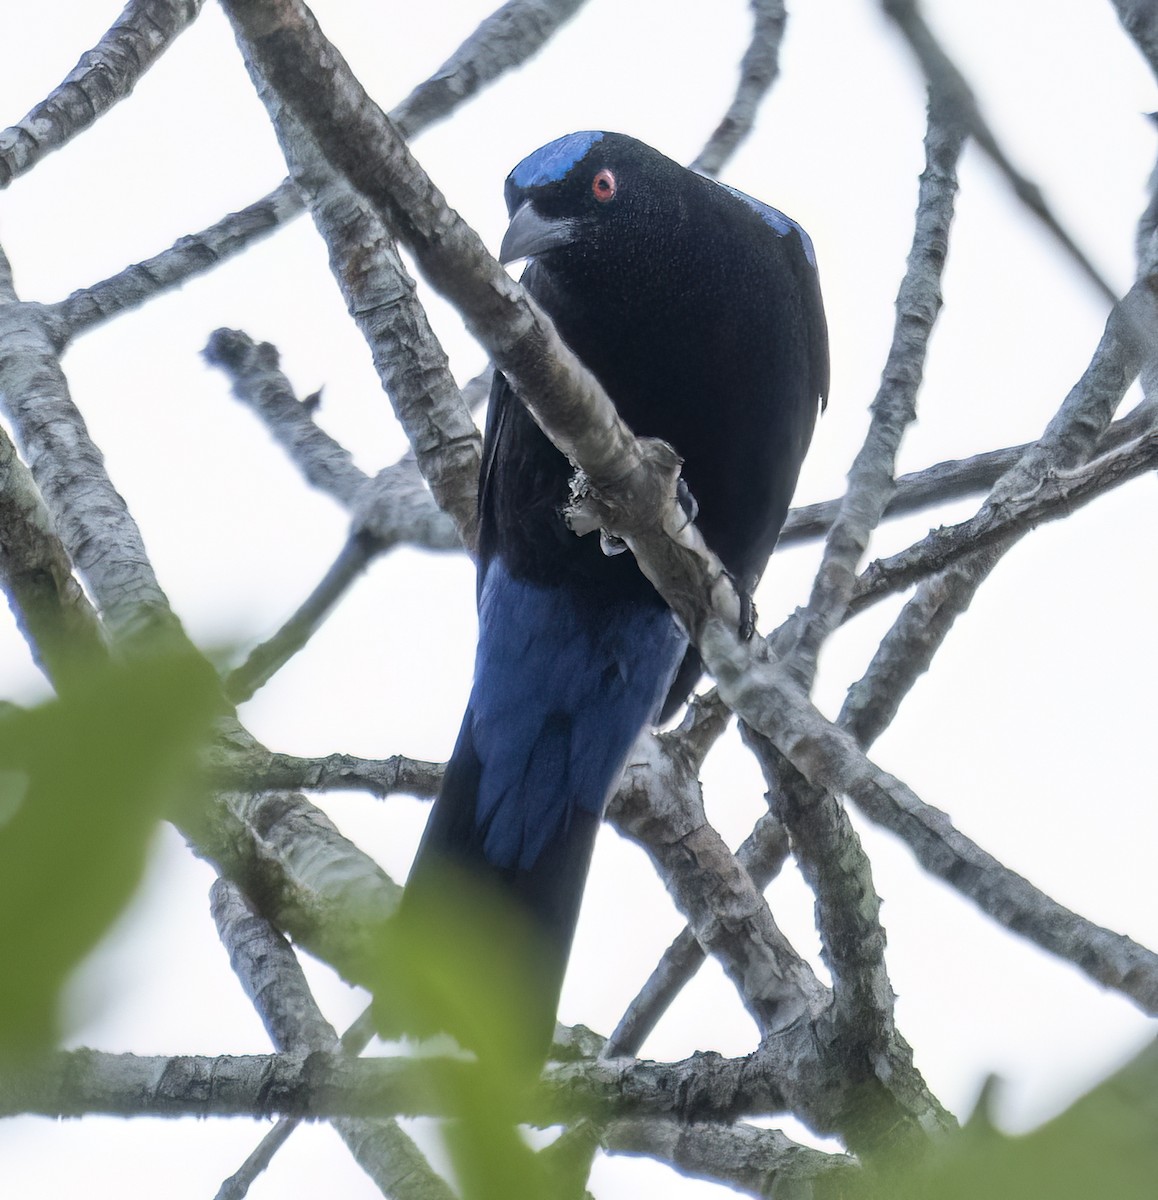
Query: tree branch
{"type": "Point", "coordinates": [660, 805]}
{"type": "Point", "coordinates": [188, 257]}
{"type": "Point", "coordinates": [326, 1085]}
{"type": "Point", "coordinates": [762, 854]}
{"type": "Point", "coordinates": [944, 75]}
{"type": "Point", "coordinates": [894, 408]}
{"type": "Point", "coordinates": [1058, 495]}
{"type": "Point", "coordinates": [1070, 437]}
{"type": "Point", "coordinates": [1140, 21]}
{"type": "Point", "coordinates": [104, 76]}
{"type": "Point", "coordinates": [306, 879]}
{"type": "Point", "coordinates": [272, 978]}
{"type": "Point", "coordinates": [758, 71]}
{"type": "Point", "coordinates": [61, 628]}
{"type": "Point", "coordinates": [382, 300]}
{"type": "Point", "coordinates": [946, 481]}
{"type": "Point", "coordinates": [256, 379]}
{"type": "Point", "coordinates": [509, 37]}
{"type": "Point", "coordinates": [90, 516]}
{"type": "Point", "coordinates": [391, 508]}
{"type": "Point", "coordinates": [256, 769]}
{"type": "Point", "coordinates": [749, 1160]}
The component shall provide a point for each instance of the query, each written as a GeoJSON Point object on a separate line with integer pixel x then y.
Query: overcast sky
{"type": "Point", "coordinates": [1034, 729]}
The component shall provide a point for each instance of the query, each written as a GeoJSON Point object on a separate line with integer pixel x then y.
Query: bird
{"type": "Point", "coordinates": [698, 309]}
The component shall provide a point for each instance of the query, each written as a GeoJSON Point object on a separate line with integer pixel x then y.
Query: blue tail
{"type": "Point", "coordinates": [565, 679]}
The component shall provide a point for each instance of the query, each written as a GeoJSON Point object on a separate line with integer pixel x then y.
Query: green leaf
{"type": "Point", "coordinates": [1105, 1144]}
{"type": "Point", "coordinates": [465, 960]}
{"type": "Point", "coordinates": [83, 783]}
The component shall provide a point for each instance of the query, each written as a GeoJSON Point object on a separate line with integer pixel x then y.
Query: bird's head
{"type": "Point", "coordinates": [578, 189]}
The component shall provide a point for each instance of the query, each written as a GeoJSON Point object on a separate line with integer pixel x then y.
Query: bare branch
{"type": "Point", "coordinates": [705, 1087]}
{"type": "Point", "coordinates": [256, 769]}
{"type": "Point", "coordinates": [381, 298]}
{"type": "Point", "coordinates": [507, 38]}
{"type": "Point", "coordinates": [273, 979]}
{"type": "Point", "coordinates": [91, 518]}
{"type": "Point", "coordinates": [946, 481]}
{"type": "Point", "coordinates": [758, 71]}
{"type": "Point", "coordinates": [63, 632]}
{"type": "Point", "coordinates": [237, 1185]}
{"type": "Point", "coordinates": [269, 973]}
{"type": "Point", "coordinates": [389, 509]}
{"type": "Point", "coordinates": [833, 862]}
{"type": "Point", "coordinates": [1071, 436]}
{"type": "Point", "coordinates": [502, 41]}
{"type": "Point", "coordinates": [762, 855]}
{"type": "Point", "coordinates": [257, 381]}
{"type": "Point", "coordinates": [187, 258]}
{"type": "Point", "coordinates": [1140, 20]}
{"type": "Point", "coordinates": [105, 75]}
{"type": "Point", "coordinates": [325, 1086]}
{"type": "Point", "coordinates": [1110, 958]}
{"type": "Point", "coordinates": [944, 76]}
{"type": "Point", "coordinates": [750, 1160]}
{"type": "Point", "coordinates": [827, 848]}
{"type": "Point", "coordinates": [660, 805]}
{"type": "Point", "coordinates": [265, 660]}
{"type": "Point", "coordinates": [1058, 495]}
{"type": "Point", "coordinates": [870, 479]}
{"type": "Point", "coordinates": [308, 880]}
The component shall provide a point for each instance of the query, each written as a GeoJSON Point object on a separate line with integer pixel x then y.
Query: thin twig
{"type": "Point", "coordinates": [944, 75]}
{"type": "Point", "coordinates": [1058, 496]}
{"type": "Point", "coordinates": [509, 37]}
{"type": "Point", "coordinates": [758, 71]}
{"type": "Point", "coordinates": [762, 854]}
{"type": "Point", "coordinates": [265, 660]}
{"type": "Point", "coordinates": [894, 408]}
{"type": "Point", "coordinates": [256, 379]}
{"type": "Point", "coordinates": [943, 482]}
{"type": "Point", "coordinates": [188, 257]}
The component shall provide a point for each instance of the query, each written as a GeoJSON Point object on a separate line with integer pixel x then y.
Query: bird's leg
{"type": "Point", "coordinates": [747, 612]}
{"type": "Point", "coordinates": [686, 500]}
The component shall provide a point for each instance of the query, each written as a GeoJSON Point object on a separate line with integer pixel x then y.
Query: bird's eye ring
{"type": "Point", "coordinates": [603, 186]}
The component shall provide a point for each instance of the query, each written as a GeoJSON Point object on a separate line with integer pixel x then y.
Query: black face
{"type": "Point", "coordinates": [580, 189]}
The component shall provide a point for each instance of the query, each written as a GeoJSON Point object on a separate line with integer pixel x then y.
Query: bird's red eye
{"type": "Point", "coordinates": [603, 186]}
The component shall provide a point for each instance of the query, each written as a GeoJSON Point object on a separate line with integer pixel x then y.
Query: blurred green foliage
{"type": "Point", "coordinates": [464, 960]}
{"type": "Point", "coordinates": [83, 782]}
{"type": "Point", "coordinates": [1103, 1147]}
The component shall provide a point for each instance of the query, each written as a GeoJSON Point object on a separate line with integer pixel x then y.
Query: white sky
{"type": "Point", "coordinates": [1035, 727]}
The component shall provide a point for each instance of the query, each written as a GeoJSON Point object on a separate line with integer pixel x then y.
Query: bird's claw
{"type": "Point", "coordinates": [747, 614]}
{"type": "Point", "coordinates": [686, 500]}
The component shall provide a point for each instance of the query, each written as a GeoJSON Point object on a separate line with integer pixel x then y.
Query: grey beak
{"type": "Point", "coordinates": [529, 234]}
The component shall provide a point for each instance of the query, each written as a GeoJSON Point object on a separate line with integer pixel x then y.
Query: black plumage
{"type": "Point", "coordinates": [699, 311]}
